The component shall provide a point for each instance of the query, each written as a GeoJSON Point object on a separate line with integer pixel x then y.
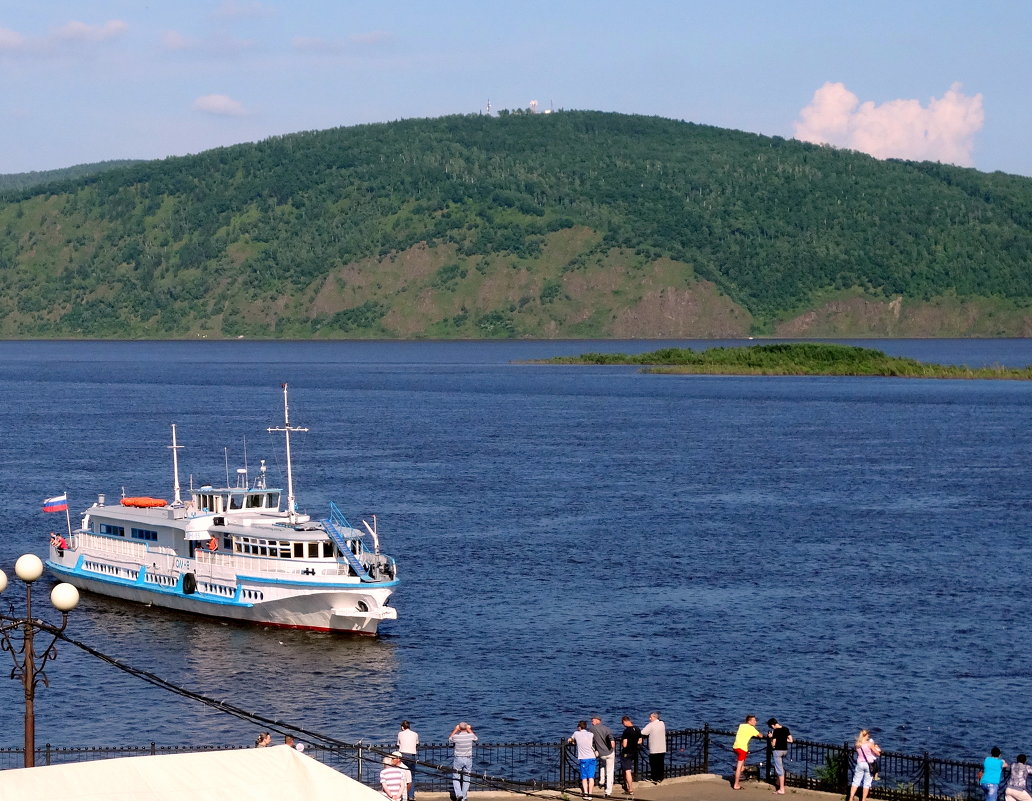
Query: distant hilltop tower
{"type": "Point", "coordinates": [487, 108]}
{"type": "Point", "coordinates": [533, 106]}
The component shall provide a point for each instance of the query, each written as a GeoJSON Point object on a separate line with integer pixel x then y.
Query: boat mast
{"type": "Point", "coordinates": [286, 429]}
{"type": "Point", "coordinates": [175, 467]}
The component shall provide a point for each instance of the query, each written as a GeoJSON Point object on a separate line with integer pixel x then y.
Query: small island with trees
{"type": "Point", "coordinates": [796, 359]}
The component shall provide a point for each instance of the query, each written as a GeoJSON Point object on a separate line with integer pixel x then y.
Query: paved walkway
{"type": "Point", "coordinates": [702, 787]}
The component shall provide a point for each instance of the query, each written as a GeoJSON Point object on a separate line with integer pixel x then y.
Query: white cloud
{"type": "Point", "coordinates": [84, 32]}
{"type": "Point", "coordinates": [174, 40]}
{"type": "Point", "coordinates": [62, 39]}
{"type": "Point", "coordinates": [11, 40]}
{"type": "Point", "coordinates": [370, 38]}
{"type": "Point", "coordinates": [222, 105]}
{"type": "Point", "coordinates": [944, 130]}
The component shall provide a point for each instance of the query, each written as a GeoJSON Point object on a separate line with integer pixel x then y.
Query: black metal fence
{"type": "Point", "coordinates": [540, 766]}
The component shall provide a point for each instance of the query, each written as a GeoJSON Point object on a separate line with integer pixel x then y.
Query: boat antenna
{"type": "Point", "coordinates": [286, 429]}
{"type": "Point", "coordinates": [176, 501]}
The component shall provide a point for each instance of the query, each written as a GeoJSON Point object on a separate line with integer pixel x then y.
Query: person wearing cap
{"type": "Point", "coordinates": [780, 737]}
{"type": "Point", "coordinates": [392, 777]}
{"type": "Point", "coordinates": [655, 730]}
{"type": "Point", "coordinates": [604, 747]}
{"type": "Point", "coordinates": [408, 741]}
{"type": "Point", "coordinates": [462, 737]}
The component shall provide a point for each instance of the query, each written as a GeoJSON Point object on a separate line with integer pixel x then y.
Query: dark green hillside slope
{"type": "Point", "coordinates": [568, 224]}
{"type": "Point", "coordinates": [28, 180]}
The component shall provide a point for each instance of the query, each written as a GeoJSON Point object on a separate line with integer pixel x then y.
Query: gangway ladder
{"type": "Point", "coordinates": [333, 526]}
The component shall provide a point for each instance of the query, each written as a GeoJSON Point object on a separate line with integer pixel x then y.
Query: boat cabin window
{"type": "Point", "coordinates": [115, 531]}
{"type": "Point", "coordinates": [144, 534]}
{"type": "Point", "coordinates": [256, 546]}
{"type": "Point", "coordinates": [208, 502]}
{"type": "Point", "coordinates": [237, 501]}
{"type": "Point", "coordinates": [284, 549]}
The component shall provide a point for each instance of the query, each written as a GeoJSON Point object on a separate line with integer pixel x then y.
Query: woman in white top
{"type": "Point", "coordinates": [867, 750]}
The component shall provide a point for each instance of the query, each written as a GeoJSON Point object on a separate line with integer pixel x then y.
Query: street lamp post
{"type": "Point", "coordinates": [64, 597]}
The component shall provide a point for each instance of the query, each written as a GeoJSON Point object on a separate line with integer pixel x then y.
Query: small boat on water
{"type": "Point", "coordinates": [232, 552]}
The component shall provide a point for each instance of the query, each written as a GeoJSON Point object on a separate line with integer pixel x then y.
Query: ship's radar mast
{"type": "Point", "coordinates": [177, 500]}
{"type": "Point", "coordinates": [286, 429]}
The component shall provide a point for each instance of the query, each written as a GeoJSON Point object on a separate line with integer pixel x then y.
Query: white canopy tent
{"type": "Point", "coordinates": [279, 773]}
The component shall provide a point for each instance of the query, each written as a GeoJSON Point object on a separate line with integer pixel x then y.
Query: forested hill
{"type": "Point", "coordinates": [572, 224]}
{"type": "Point", "coordinates": [28, 180]}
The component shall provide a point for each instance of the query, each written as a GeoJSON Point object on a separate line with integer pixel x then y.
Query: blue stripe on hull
{"type": "Point", "coordinates": [140, 584]}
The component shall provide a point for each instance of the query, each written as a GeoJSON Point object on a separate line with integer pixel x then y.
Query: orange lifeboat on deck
{"type": "Point", "coordinates": [144, 503]}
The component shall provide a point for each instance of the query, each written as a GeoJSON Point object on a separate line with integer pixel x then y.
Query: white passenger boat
{"type": "Point", "coordinates": [233, 553]}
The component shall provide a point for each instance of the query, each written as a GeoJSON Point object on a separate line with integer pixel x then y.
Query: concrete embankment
{"type": "Point", "coordinates": [702, 787]}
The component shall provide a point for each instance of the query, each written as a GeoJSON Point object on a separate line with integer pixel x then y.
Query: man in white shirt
{"type": "Point", "coordinates": [655, 730]}
{"type": "Point", "coordinates": [408, 742]}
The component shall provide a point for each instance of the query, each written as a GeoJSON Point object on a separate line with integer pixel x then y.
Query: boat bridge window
{"type": "Point", "coordinates": [114, 531]}
{"type": "Point", "coordinates": [282, 549]}
{"type": "Point", "coordinates": [256, 546]}
{"type": "Point", "coordinates": [243, 500]}
{"type": "Point", "coordinates": [209, 502]}
{"type": "Point", "coordinates": [144, 534]}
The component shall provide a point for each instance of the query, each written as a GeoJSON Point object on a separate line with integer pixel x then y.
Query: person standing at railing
{"type": "Point", "coordinates": [392, 778]}
{"type": "Point", "coordinates": [780, 737]}
{"type": "Point", "coordinates": [992, 774]}
{"type": "Point", "coordinates": [408, 742]}
{"type": "Point", "coordinates": [1017, 783]}
{"type": "Point", "coordinates": [655, 730]}
{"type": "Point", "coordinates": [867, 750]}
{"type": "Point", "coordinates": [586, 760]}
{"type": "Point", "coordinates": [604, 747]}
{"type": "Point", "coordinates": [630, 741]}
{"type": "Point", "coordinates": [746, 731]}
{"type": "Point", "coordinates": [462, 737]}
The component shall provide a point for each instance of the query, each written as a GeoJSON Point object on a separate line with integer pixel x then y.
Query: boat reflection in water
{"type": "Point", "coordinates": [313, 681]}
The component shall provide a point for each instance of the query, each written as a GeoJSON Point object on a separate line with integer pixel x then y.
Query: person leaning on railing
{"type": "Point", "coordinates": [1017, 783]}
{"type": "Point", "coordinates": [867, 750]}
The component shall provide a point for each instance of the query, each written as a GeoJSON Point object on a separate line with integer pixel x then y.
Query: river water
{"type": "Point", "coordinates": [837, 552]}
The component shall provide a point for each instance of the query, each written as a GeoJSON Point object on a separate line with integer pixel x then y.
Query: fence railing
{"type": "Point", "coordinates": [553, 766]}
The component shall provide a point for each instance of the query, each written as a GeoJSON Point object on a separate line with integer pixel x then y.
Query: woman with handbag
{"type": "Point", "coordinates": [867, 752]}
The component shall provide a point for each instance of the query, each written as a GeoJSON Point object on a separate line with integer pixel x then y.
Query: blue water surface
{"type": "Point", "coordinates": [837, 552]}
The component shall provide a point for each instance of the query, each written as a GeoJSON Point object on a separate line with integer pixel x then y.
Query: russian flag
{"type": "Point", "coordinates": [58, 503]}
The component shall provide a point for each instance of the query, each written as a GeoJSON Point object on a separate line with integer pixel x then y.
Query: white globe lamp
{"type": "Point", "coordinates": [29, 567]}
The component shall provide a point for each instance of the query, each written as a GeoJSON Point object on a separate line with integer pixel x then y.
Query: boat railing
{"type": "Point", "coordinates": [135, 550]}
{"type": "Point", "coordinates": [250, 564]}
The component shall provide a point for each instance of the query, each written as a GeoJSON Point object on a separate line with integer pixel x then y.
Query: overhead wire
{"type": "Point", "coordinates": [282, 727]}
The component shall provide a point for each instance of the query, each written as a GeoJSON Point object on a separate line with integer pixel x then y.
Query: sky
{"type": "Point", "coordinates": [128, 79]}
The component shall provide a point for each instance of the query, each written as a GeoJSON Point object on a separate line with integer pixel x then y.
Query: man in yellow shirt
{"type": "Point", "coordinates": [746, 731]}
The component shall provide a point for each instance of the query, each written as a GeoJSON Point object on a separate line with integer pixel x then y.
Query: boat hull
{"type": "Point", "coordinates": [355, 610]}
